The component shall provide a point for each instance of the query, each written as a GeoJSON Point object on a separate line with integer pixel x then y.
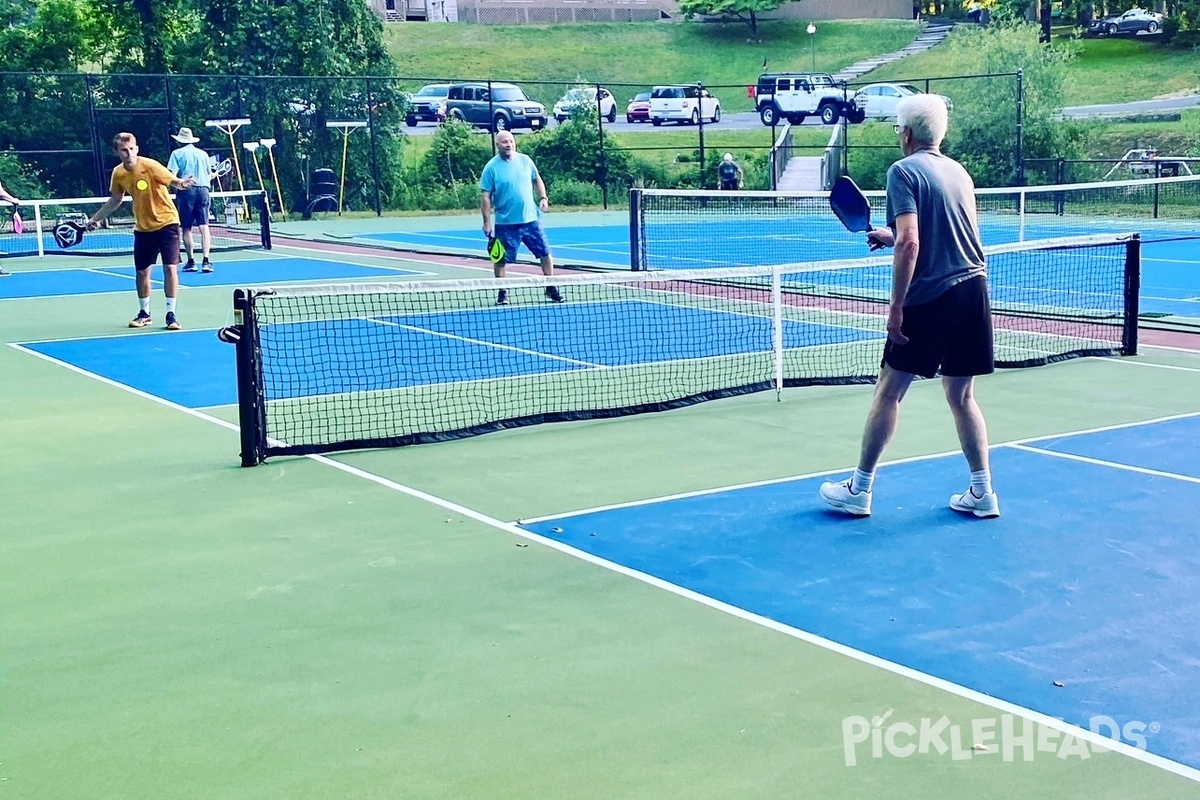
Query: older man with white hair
{"type": "Point", "coordinates": [939, 318]}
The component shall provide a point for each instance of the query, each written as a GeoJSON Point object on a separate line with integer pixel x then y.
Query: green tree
{"type": "Point", "coordinates": [745, 10]}
{"type": "Point", "coordinates": [1181, 28]}
{"type": "Point", "coordinates": [50, 35]}
{"type": "Point", "coordinates": [983, 124]}
{"type": "Point", "coordinates": [279, 37]}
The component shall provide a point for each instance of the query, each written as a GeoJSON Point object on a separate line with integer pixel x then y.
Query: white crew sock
{"type": "Point", "coordinates": [862, 481]}
{"type": "Point", "coordinates": [981, 482]}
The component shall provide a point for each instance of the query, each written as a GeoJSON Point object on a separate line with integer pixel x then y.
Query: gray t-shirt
{"type": "Point", "coordinates": [940, 192]}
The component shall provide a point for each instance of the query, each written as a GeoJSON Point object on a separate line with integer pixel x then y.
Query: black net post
{"type": "Point", "coordinates": [1133, 288]}
{"type": "Point", "coordinates": [635, 229]}
{"type": "Point", "coordinates": [252, 406]}
{"type": "Point", "coordinates": [264, 220]}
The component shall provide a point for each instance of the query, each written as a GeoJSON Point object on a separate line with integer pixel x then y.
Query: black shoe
{"type": "Point", "coordinates": [502, 298]}
{"type": "Point", "coordinates": [554, 294]}
{"type": "Point", "coordinates": [206, 266]}
{"type": "Point", "coordinates": [190, 266]}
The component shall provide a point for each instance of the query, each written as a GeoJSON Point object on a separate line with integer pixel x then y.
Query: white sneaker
{"type": "Point", "coordinates": [968, 503]}
{"type": "Point", "coordinates": [838, 495]}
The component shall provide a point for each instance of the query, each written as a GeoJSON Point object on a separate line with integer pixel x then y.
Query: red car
{"type": "Point", "coordinates": [638, 109]}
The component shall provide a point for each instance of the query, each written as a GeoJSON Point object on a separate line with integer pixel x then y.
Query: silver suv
{"type": "Point", "coordinates": [501, 107]}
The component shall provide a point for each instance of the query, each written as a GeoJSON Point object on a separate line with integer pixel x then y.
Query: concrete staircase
{"type": "Point", "coordinates": [933, 34]}
{"type": "Point", "coordinates": [803, 173]}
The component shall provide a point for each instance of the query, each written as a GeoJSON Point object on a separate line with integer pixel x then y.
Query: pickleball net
{"type": "Point", "coordinates": [697, 229]}
{"type": "Point", "coordinates": [362, 365]}
{"type": "Point", "coordinates": [237, 221]}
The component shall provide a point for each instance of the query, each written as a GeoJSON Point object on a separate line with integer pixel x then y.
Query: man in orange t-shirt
{"type": "Point", "coordinates": [156, 222]}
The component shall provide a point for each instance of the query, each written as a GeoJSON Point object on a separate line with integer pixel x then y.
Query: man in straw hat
{"type": "Point", "coordinates": [190, 161]}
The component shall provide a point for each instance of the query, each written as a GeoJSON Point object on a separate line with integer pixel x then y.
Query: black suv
{"type": "Point", "coordinates": [501, 107]}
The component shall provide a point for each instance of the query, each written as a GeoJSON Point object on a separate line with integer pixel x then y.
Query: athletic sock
{"type": "Point", "coordinates": [862, 481]}
{"type": "Point", "coordinates": [144, 304]}
{"type": "Point", "coordinates": [170, 305]}
{"type": "Point", "coordinates": [981, 482]}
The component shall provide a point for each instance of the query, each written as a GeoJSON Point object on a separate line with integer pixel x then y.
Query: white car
{"type": "Point", "coordinates": [683, 104]}
{"type": "Point", "coordinates": [880, 99]}
{"type": "Point", "coordinates": [586, 97]}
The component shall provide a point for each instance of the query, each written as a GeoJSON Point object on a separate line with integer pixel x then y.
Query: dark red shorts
{"type": "Point", "coordinates": [149, 245]}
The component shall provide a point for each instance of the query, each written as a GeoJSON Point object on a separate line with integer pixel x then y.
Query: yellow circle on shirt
{"type": "Point", "coordinates": [142, 185]}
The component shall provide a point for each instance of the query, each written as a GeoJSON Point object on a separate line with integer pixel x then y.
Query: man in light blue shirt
{"type": "Point", "coordinates": [506, 188]}
{"type": "Point", "coordinates": [190, 161]}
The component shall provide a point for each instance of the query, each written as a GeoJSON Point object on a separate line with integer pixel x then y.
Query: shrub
{"type": "Point", "coordinates": [457, 154]}
{"type": "Point", "coordinates": [570, 192]}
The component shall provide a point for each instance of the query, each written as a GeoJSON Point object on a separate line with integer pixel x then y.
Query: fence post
{"type": "Point", "coordinates": [700, 100]}
{"type": "Point", "coordinates": [773, 154]}
{"type": "Point", "coordinates": [374, 150]}
{"type": "Point", "coordinates": [1020, 127]}
{"type": "Point", "coordinates": [167, 87]}
{"type": "Point", "coordinates": [97, 150]}
{"type": "Point", "coordinates": [1157, 185]}
{"type": "Point", "coordinates": [491, 126]}
{"type": "Point", "coordinates": [603, 154]}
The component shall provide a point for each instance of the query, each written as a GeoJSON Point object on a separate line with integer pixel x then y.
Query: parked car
{"type": "Point", "coordinates": [502, 107]}
{"type": "Point", "coordinates": [428, 104]}
{"type": "Point", "coordinates": [683, 104]}
{"type": "Point", "coordinates": [638, 109]}
{"type": "Point", "coordinates": [1134, 20]}
{"type": "Point", "coordinates": [795, 96]}
{"type": "Point", "coordinates": [586, 97]}
{"type": "Point", "coordinates": [879, 100]}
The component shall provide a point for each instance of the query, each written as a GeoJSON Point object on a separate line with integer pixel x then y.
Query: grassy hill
{"type": "Point", "coordinates": [633, 56]}
{"type": "Point", "coordinates": [1105, 71]}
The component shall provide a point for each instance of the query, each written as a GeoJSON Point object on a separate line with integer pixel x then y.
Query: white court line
{"type": "Point", "coordinates": [347, 262]}
{"type": "Point", "coordinates": [1100, 741]}
{"type": "Point", "coordinates": [1188, 350]}
{"type": "Point", "coordinates": [484, 343]}
{"type": "Point", "coordinates": [386, 255]}
{"type": "Point", "coordinates": [1102, 463]}
{"type": "Point", "coordinates": [1150, 364]}
{"type": "Point", "coordinates": [843, 470]}
{"type": "Point", "coordinates": [106, 271]}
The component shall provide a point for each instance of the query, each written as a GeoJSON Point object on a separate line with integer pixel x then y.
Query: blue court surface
{"type": "Point", "coordinates": [243, 272]}
{"type": "Point", "coordinates": [1170, 269]}
{"type": "Point", "coordinates": [1089, 578]}
{"type": "Point", "coordinates": [194, 369]}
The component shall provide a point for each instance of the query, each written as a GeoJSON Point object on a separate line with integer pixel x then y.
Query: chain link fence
{"type": "Point", "coordinates": [67, 120]}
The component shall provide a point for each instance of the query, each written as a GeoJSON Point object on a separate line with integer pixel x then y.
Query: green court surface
{"type": "Point", "coordinates": [372, 625]}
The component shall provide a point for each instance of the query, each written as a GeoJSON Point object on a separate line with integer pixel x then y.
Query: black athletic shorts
{"type": "Point", "coordinates": [951, 333]}
{"type": "Point", "coordinates": [149, 245]}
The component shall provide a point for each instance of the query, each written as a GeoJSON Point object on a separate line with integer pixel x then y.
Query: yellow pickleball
{"type": "Point", "coordinates": [142, 185]}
